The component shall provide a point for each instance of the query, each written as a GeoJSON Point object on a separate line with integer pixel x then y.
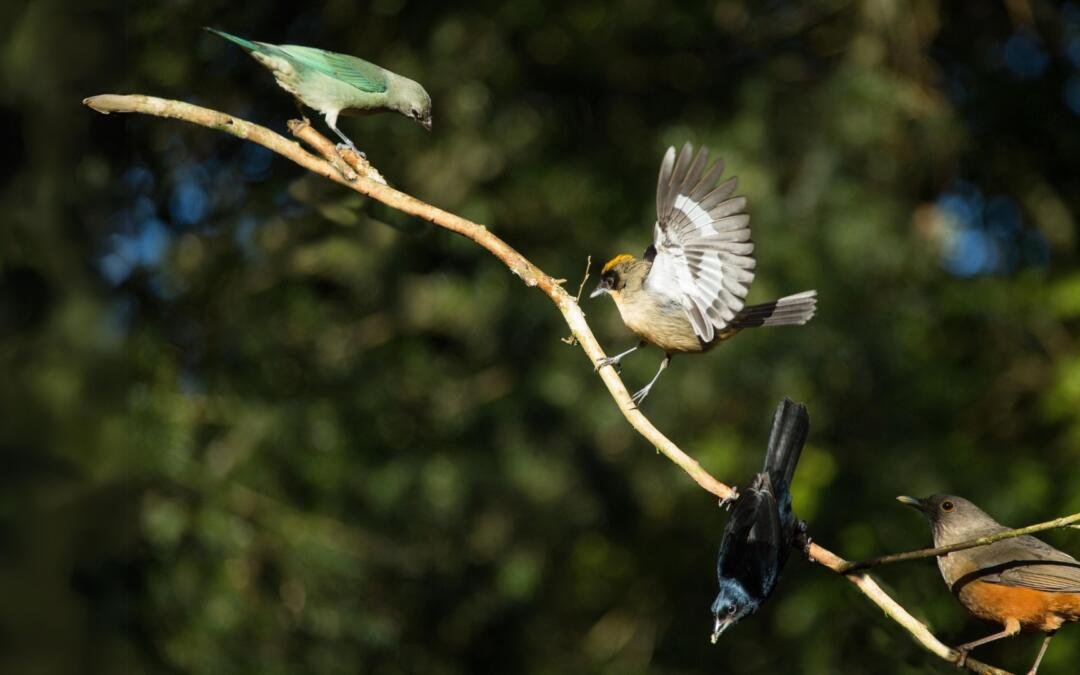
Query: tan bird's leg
{"type": "Point", "coordinates": [300, 108]}
{"type": "Point", "coordinates": [641, 394]}
{"type": "Point", "coordinates": [614, 360]}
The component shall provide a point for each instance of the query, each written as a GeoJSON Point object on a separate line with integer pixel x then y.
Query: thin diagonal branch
{"type": "Point", "coordinates": [518, 264]}
{"type": "Point", "coordinates": [895, 611]}
{"type": "Point", "coordinates": [1064, 521]}
{"type": "Point", "coordinates": [532, 276]}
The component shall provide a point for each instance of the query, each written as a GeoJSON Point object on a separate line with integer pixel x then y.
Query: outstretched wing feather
{"type": "Point", "coordinates": [702, 241]}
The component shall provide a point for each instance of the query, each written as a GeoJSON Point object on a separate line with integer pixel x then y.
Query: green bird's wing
{"type": "Point", "coordinates": [366, 77]}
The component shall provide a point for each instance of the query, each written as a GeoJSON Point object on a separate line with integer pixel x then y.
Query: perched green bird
{"type": "Point", "coordinates": [338, 84]}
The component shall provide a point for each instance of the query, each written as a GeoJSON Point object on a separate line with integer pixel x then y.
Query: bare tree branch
{"type": "Point", "coordinates": [532, 276]}
{"type": "Point", "coordinates": [1064, 521]}
{"type": "Point", "coordinates": [897, 613]}
{"type": "Point", "coordinates": [577, 298]}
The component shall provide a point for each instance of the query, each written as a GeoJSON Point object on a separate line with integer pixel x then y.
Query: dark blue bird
{"type": "Point", "coordinates": [762, 529]}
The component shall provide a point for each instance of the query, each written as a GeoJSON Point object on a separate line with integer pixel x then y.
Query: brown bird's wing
{"type": "Point", "coordinates": [1031, 563]}
{"type": "Point", "coordinates": [701, 241]}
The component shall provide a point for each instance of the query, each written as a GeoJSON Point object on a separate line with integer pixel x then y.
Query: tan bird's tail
{"type": "Point", "coordinates": [791, 310]}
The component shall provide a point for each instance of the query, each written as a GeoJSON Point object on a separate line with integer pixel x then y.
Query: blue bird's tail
{"type": "Point", "coordinates": [246, 44]}
{"type": "Point", "coordinates": [791, 425]}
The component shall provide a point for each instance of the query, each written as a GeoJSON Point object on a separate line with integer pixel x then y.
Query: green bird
{"type": "Point", "coordinates": [338, 84]}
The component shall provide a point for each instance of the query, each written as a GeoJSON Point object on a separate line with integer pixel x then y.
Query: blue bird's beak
{"type": "Point", "coordinates": [719, 627]}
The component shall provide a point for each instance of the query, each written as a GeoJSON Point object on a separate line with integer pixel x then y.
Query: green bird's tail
{"type": "Point", "coordinates": [246, 44]}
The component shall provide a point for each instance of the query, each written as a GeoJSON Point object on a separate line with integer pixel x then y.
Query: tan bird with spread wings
{"type": "Point", "coordinates": [687, 292]}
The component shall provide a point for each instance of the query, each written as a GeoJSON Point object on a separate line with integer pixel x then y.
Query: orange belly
{"type": "Point", "coordinates": [1035, 610]}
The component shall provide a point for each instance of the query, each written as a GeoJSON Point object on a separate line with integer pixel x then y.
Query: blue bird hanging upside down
{"type": "Point", "coordinates": [338, 84]}
{"type": "Point", "coordinates": [762, 529]}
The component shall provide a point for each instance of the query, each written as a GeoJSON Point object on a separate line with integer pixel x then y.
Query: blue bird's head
{"type": "Point", "coordinates": [732, 604]}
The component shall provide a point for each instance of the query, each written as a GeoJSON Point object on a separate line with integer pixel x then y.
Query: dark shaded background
{"type": "Point", "coordinates": [251, 422]}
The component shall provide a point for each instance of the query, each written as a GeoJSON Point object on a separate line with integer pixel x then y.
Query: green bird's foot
{"type": "Point", "coordinates": [341, 147]}
{"type": "Point", "coordinates": [300, 109]}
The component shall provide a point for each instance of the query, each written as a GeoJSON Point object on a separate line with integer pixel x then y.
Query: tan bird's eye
{"type": "Point", "coordinates": [946, 506]}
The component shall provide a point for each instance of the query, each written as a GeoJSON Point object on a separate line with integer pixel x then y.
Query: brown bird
{"type": "Point", "coordinates": [1022, 583]}
{"type": "Point", "coordinates": [687, 293]}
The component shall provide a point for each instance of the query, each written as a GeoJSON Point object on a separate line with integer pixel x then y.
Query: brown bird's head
{"type": "Point", "coordinates": [953, 519]}
{"type": "Point", "coordinates": [619, 272]}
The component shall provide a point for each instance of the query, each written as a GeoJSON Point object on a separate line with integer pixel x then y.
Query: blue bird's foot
{"type": "Point", "coordinates": [726, 502]}
{"type": "Point", "coordinates": [802, 538]}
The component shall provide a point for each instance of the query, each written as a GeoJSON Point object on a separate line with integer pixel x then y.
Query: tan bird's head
{"type": "Point", "coordinates": [621, 270]}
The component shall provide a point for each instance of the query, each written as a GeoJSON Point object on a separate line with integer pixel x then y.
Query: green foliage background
{"type": "Point", "coordinates": [250, 422]}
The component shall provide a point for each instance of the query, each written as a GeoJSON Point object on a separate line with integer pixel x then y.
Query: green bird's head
{"type": "Point", "coordinates": [412, 101]}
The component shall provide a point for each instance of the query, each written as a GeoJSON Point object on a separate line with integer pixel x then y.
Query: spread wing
{"type": "Point", "coordinates": [366, 77]}
{"type": "Point", "coordinates": [1035, 564]}
{"type": "Point", "coordinates": [702, 241]}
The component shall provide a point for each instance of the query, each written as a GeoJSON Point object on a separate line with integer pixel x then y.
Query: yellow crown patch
{"type": "Point", "coordinates": [622, 257]}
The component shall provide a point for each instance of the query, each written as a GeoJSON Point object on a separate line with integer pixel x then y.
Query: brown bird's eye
{"type": "Point", "coordinates": [946, 506]}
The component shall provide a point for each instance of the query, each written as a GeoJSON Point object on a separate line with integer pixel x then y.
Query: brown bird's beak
{"type": "Point", "coordinates": [914, 503]}
{"type": "Point", "coordinates": [600, 290]}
